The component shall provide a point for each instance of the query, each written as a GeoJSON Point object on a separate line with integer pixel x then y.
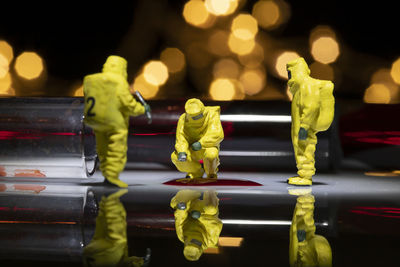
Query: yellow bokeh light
{"type": "Point", "coordinates": [155, 72]}
{"type": "Point", "coordinates": [321, 31]}
{"type": "Point", "coordinates": [253, 81]}
{"type": "Point", "coordinates": [6, 50]}
{"type": "Point", "coordinates": [377, 93]}
{"type": "Point", "coordinates": [226, 68]}
{"type": "Point", "coordinates": [78, 90]}
{"type": "Point", "coordinates": [282, 60]}
{"type": "Point", "coordinates": [253, 59]}
{"type": "Point", "coordinates": [5, 84]}
{"type": "Point", "coordinates": [146, 89]}
{"type": "Point", "coordinates": [174, 59]}
{"type": "Point", "coordinates": [221, 7]}
{"type": "Point", "coordinates": [321, 71]}
{"type": "Point", "coordinates": [383, 76]}
{"type": "Point", "coordinates": [244, 27]}
{"type": "Point", "coordinates": [325, 50]}
{"type": "Point", "coordinates": [395, 71]}
{"type": "Point", "coordinates": [196, 14]}
{"type": "Point", "coordinates": [218, 43]}
{"type": "Point", "coordinates": [267, 13]}
{"type": "Point", "coordinates": [239, 46]}
{"type": "Point", "coordinates": [222, 89]}
{"type": "Point", "coordinates": [3, 66]}
{"type": "Point", "coordinates": [29, 65]}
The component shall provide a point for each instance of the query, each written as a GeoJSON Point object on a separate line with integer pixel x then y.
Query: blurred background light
{"type": "Point", "coordinates": [225, 89]}
{"type": "Point", "coordinates": [281, 61]}
{"type": "Point", "coordinates": [254, 58]}
{"type": "Point", "coordinates": [395, 71]}
{"type": "Point", "coordinates": [218, 43]}
{"type": "Point", "coordinates": [7, 51]}
{"type": "Point", "coordinates": [267, 13]}
{"type": "Point", "coordinates": [383, 76]}
{"type": "Point", "coordinates": [240, 46]}
{"type": "Point", "coordinates": [377, 93]}
{"type": "Point", "coordinates": [221, 7]}
{"type": "Point", "coordinates": [29, 65]}
{"type": "Point", "coordinates": [174, 59]}
{"type": "Point", "coordinates": [321, 31]}
{"type": "Point", "coordinates": [146, 89]}
{"type": "Point", "coordinates": [3, 66]}
{"type": "Point", "coordinates": [253, 81]}
{"type": "Point", "coordinates": [325, 49]}
{"type": "Point", "coordinates": [226, 68]}
{"type": "Point", "coordinates": [5, 84]}
{"type": "Point", "coordinates": [155, 73]}
{"type": "Point", "coordinates": [322, 71]}
{"type": "Point", "coordinates": [244, 27]}
{"type": "Point", "coordinates": [78, 90]}
{"type": "Point", "coordinates": [196, 14]}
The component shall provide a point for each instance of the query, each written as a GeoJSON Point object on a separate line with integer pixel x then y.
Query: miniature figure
{"type": "Point", "coordinates": [306, 248]}
{"type": "Point", "coordinates": [198, 135]}
{"type": "Point", "coordinates": [313, 108]}
{"type": "Point", "coordinates": [109, 246]}
{"type": "Point", "coordinates": [108, 105]}
{"type": "Point", "coordinates": [196, 221]}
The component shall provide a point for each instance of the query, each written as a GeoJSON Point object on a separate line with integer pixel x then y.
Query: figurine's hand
{"type": "Point", "coordinates": [147, 108]}
{"type": "Point", "coordinates": [196, 146]}
{"type": "Point", "coordinates": [302, 134]}
{"type": "Point", "coordinates": [182, 156]}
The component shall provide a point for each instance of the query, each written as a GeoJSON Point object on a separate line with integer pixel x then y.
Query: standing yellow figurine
{"type": "Point", "coordinates": [196, 221]}
{"type": "Point", "coordinates": [313, 108]}
{"type": "Point", "coordinates": [198, 135]}
{"type": "Point", "coordinates": [307, 248]}
{"type": "Point", "coordinates": [108, 105]}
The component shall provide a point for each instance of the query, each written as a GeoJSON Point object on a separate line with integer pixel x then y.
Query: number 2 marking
{"type": "Point", "coordinates": [92, 101]}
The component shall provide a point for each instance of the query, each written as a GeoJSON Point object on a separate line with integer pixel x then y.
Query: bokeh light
{"type": "Point", "coordinates": [174, 59]}
{"type": "Point", "coordinates": [226, 68]}
{"type": "Point", "coordinates": [221, 7]}
{"type": "Point", "coordinates": [222, 89]}
{"type": "Point", "coordinates": [78, 90]}
{"type": "Point", "coordinates": [218, 43]}
{"type": "Point", "coordinates": [253, 81]}
{"type": "Point", "coordinates": [244, 27]}
{"type": "Point", "coordinates": [147, 90]}
{"type": "Point", "coordinates": [321, 31]}
{"type": "Point", "coordinates": [281, 61]}
{"type": "Point", "coordinates": [253, 59]}
{"type": "Point", "coordinates": [196, 14]}
{"type": "Point", "coordinates": [5, 84]}
{"type": "Point", "coordinates": [325, 49]}
{"type": "Point", "coordinates": [155, 73]}
{"type": "Point", "coordinates": [3, 66]}
{"type": "Point", "coordinates": [7, 51]}
{"type": "Point", "coordinates": [267, 13]}
{"type": "Point", "coordinates": [383, 76]}
{"type": "Point", "coordinates": [29, 65]}
{"type": "Point", "coordinates": [395, 71]}
{"type": "Point", "coordinates": [322, 71]}
{"type": "Point", "coordinates": [239, 46]}
{"type": "Point", "coordinates": [377, 94]}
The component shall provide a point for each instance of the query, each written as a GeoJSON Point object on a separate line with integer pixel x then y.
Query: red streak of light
{"type": "Point", "coordinates": [149, 134]}
{"type": "Point", "coordinates": [373, 214]}
{"type": "Point", "coordinates": [33, 222]}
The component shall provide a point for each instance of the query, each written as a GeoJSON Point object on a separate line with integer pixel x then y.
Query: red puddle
{"type": "Point", "coordinates": [219, 182]}
{"type": "Point", "coordinates": [2, 171]}
{"type": "Point", "coordinates": [28, 173]}
{"type": "Point", "coordinates": [28, 187]}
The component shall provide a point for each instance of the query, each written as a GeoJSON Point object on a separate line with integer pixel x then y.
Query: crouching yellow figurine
{"type": "Point", "coordinates": [108, 105]}
{"type": "Point", "coordinates": [306, 248]}
{"type": "Point", "coordinates": [196, 221]}
{"type": "Point", "coordinates": [198, 135]}
{"type": "Point", "coordinates": [313, 108]}
{"type": "Point", "coordinates": [109, 246]}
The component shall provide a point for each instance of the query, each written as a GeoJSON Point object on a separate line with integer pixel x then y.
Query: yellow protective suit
{"type": "Point", "coordinates": [109, 246]}
{"type": "Point", "coordinates": [196, 221]}
{"type": "Point", "coordinates": [198, 135]}
{"type": "Point", "coordinates": [313, 107]}
{"type": "Point", "coordinates": [108, 105]}
{"type": "Point", "coordinates": [306, 248]}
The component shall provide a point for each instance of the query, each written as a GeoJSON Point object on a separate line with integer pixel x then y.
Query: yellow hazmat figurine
{"type": "Point", "coordinates": [196, 221]}
{"type": "Point", "coordinates": [109, 246]}
{"type": "Point", "coordinates": [313, 108]}
{"type": "Point", "coordinates": [306, 248]}
{"type": "Point", "coordinates": [108, 105]}
{"type": "Point", "coordinates": [198, 135]}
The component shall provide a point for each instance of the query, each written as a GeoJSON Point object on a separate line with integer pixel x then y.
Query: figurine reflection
{"type": "Point", "coordinates": [109, 246]}
{"type": "Point", "coordinates": [196, 221]}
{"type": "Point", "coordinates": [306, 248]}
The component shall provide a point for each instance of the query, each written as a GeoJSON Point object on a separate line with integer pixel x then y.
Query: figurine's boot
{"type": "Point", "coordinates": [191, 166]}
{"type": "Point", "coordinates": [211, 162]}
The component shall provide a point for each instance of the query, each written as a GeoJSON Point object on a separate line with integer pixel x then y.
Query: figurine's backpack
{"type": "Point", "coordinates": [327, 106]}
